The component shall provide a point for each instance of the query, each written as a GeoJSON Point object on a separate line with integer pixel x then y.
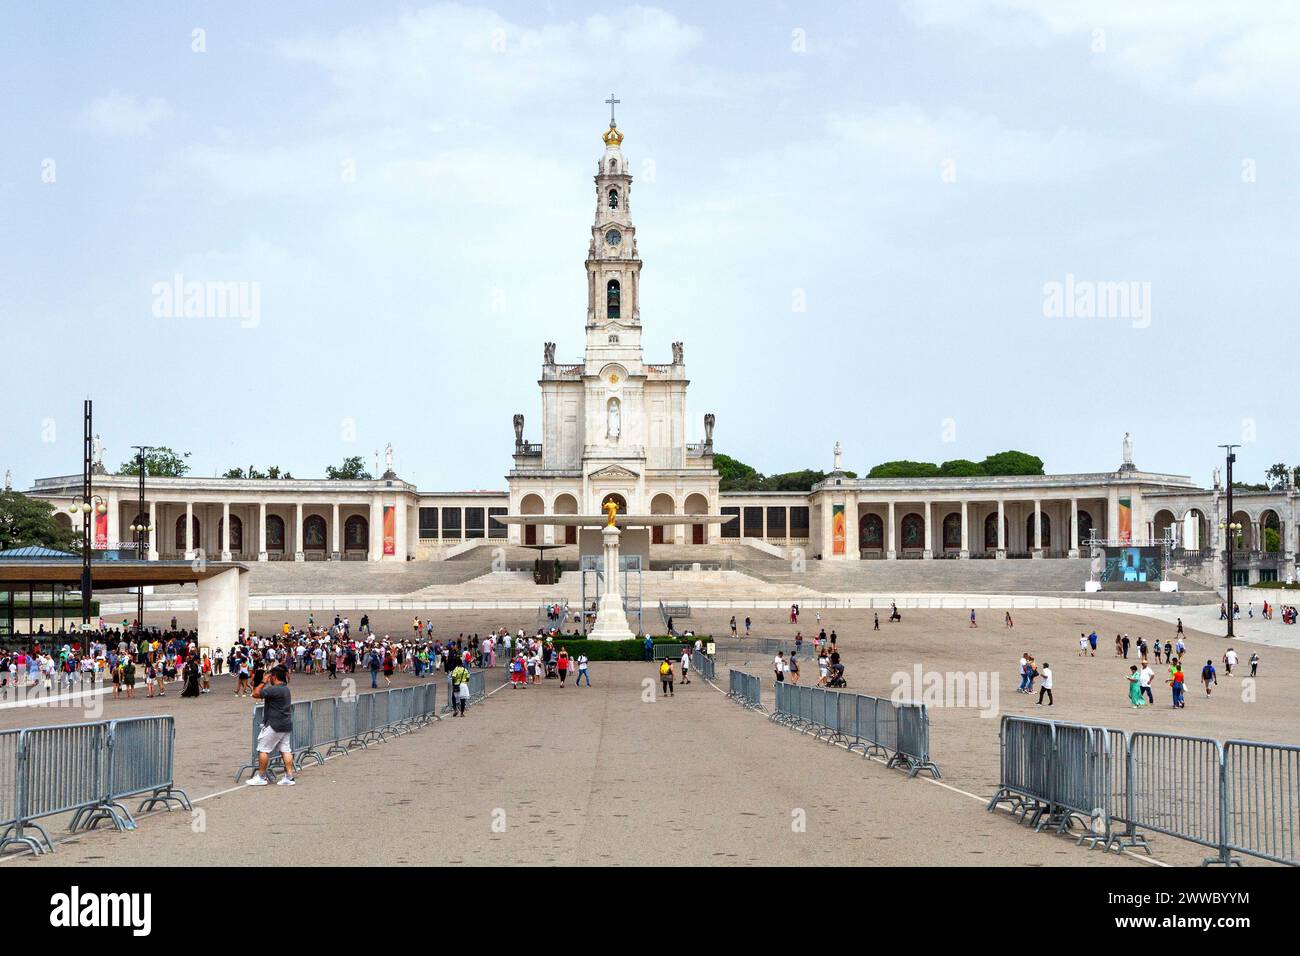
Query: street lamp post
{"type": "Point", "coordinates": [89, 505]}
{"type": "Point", "coordinates": [142, 527]}
{"type": "Point", "coordinates": [1232, 529]}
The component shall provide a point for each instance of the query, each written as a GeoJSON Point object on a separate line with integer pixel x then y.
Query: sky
{"type": "Point", "coordinates": [928, 229]}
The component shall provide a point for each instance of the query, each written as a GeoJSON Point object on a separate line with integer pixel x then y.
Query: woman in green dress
{"type": "Point", "coordinates": [1135, 687]}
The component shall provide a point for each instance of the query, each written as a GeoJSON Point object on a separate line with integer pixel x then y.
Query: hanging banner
{"type": "Point", "coordinates": [837, 529]}
{"type": "Point", "coordinates": [1125, 520]}
{"type": "Point", "coordinates": [101, 532]}
{"type": "Point", "coordinates": [390, 529]}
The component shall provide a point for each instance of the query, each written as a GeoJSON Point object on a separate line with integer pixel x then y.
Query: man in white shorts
{"type": "Point", "coordinates": [686, 666]}
{"type": "Point", "coordinates": [277, 727]}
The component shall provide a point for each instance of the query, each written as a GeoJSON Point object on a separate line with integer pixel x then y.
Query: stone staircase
{"type": "Point", "coordinates": [358, 577]}
{"type": "Point", "coordinates": [1011, 576]}
{"type": "Point", "coordinates": [662, 556]}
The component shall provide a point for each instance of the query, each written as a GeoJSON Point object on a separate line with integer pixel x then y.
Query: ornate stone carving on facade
{"type": "Point", "coordinates": [519, 430]}
{"type": "Point", "coordinates": [709, 420]}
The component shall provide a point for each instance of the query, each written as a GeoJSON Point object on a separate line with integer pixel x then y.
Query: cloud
{"type": "Point", "coordinates": [470, 63]}
{"type": "Point", "coordinates": [120, 114]}
{"type": "Point", "coordinates": [912, 144]}
{"type": "Point", "coordinates": [1196, 49]}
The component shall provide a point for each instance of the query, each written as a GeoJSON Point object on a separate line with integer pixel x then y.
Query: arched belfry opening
{"type": "Point", "coordinates": [612, 299]}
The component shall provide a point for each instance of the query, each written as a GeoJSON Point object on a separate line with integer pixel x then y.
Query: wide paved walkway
{"type": "Point", "coordinates": [583, 776]}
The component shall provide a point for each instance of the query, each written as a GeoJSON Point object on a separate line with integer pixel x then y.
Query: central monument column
{"type": "Point", "coordinates": [611, 618]}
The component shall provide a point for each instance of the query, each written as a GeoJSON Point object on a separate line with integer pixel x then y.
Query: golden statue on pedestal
{"type": "Point", "coordinates": [611, 508]}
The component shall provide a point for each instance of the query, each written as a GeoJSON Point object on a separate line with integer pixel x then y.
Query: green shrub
{"type": "Point", "coordinates": [613, 650]}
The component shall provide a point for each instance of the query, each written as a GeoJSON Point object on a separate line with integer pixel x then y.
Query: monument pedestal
{"type": "Point", "coordinates": [611, 619]}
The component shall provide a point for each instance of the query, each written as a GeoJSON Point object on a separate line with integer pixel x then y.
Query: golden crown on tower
{"type": "Point", "coordinates": [613, 137]}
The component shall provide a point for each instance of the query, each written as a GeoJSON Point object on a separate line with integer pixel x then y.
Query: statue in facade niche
{"type": "Point", "coordinates": [519, 430]}
{"type": "Point", "coordinates": [615, 424]}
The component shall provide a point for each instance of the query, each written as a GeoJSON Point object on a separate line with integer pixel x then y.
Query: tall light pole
{"type": "Point", "coordinates": [87, 463]}
{"type": "Point", "coordinates": [1231, 535]}
{"type": "Point", "coordinates": [141, 528]}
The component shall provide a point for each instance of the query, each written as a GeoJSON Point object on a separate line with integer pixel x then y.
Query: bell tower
{"type": "Point", "coordinates": [613, 265]}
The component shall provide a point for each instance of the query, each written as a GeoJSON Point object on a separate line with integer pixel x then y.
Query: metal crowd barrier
{"type": "Point", "coordinates": [84, 769]}
{"type": "Point", "coordinates": [876, 725]}
{"type": "Point", "coordinates": [1262, 800]}
{"type": "Point", "coordinates": [745, 689]}
{"type": "Point", "coordinates": [1235, 797]}
{"type": "Point", "coordinates": [704, 665]}
{"type": "Point", "coordinates": [477, 690]}
{"type": "Point", "coordinates": [141, 762]}
{"type": "Point", "coordinates": [334, 725]}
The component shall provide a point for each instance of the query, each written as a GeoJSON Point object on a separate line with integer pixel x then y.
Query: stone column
{"type": "Point", "coordinates": [1112, 515]}
{"type": "Point", "coordinates": [1074, 527]}
{"type": "Point", "coordinates": [376, 528]}
{"type": "Point", "coordinates": [224, 543]}
{"type": "Point", "coordinates": [611, 619]}
{"type": "Point", "coordinates": [927, 550]}
{"type": "Point", "coordinates": [965, 530]}
{"type": "Point", "coordinates": [826, 526]}
{"type": "Point", "coordinates": [1038, 527]}
{"type": "Point", "coordinates": [891, 553]}
{"type": "Point", "coordinates": [334, 533]}
{"type": "Point", "coordinates": [852, 544]}
{"type": "Point", "coordinates": [261, 531]}
{"type": "Point", "coordinates": [399, 528]}
{"type": "Point", "coordinates": [189, 530]}
{"type": "Point", "coordinates": [153, 533]}
{"type": "Point", "coordinates": [299, 554]}
{"type": "Point", "coordinates": [1002, 528]}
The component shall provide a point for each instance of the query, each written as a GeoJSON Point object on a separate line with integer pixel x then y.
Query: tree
{"type": "Point", "coordinates": [734, 475]}
{"type": "Point", "coordinates": [159, 462]}
{"type": "Point", "coordinates": [25, 522]}
{"type": "Point", "coordinates": [1277, 475]}
{"type": "Point", "coordinates": [1012, 463]}
{"type": "Point", "coordinates": [350, 469]}
{"type": "Point", "coordinates": [904, 469]}
{"type": "Point", "coordinates": [961, 468]}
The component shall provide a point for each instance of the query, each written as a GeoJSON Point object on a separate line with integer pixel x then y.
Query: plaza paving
{"type": "Point", "coordinates": [598, 776]}
{"type": "Point", "coordinates": [579, 776]}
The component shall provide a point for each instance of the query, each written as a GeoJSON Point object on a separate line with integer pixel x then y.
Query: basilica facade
{"type": "Point", "coordinates": [614, 427]}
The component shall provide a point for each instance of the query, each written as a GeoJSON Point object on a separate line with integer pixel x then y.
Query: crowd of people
{"type": "Point", "coordinates": [78, 661]}
{"type": "Point", "coordinates": [1267, 612]}
{"type": "Point", "coordinates": [1142, 675]}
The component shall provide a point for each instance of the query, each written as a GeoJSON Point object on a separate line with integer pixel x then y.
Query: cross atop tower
{"type": "Point", "coordinates": [612, 101]}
